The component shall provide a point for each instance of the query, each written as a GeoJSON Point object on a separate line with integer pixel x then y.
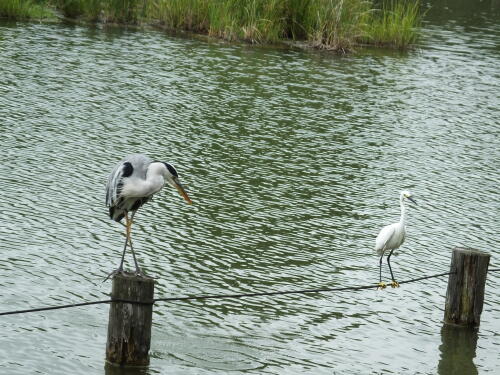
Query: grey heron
{"type": "Point", "coordinates": [132, 183]}
{"type": "Point", "coordinates": [392, 237]}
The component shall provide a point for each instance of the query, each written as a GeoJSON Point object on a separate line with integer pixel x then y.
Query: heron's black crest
{"type": "Point", "coordinates": [127, 169]}
{"type": "Point", "coordinates": [171, 169]}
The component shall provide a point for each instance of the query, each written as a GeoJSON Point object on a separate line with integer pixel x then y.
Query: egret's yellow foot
{"type": "Point", "coordinates": [394, 284]}
{"type": "Point", "coordinates": [381, 285]}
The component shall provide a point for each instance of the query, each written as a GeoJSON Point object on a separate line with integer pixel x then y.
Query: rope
{"type": "Point", "coordinates": [76, 305]}
{"type": "Point", "coordinates": [226, 296]}
{"type": "Point", "coordinates": [284, 292]}
{"type": "Point", "coordinates": [55, 307]}
{"type": "Point", "coordinates": [219, 296]}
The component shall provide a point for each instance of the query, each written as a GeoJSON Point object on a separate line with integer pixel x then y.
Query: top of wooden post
{"type": "Point", "coordinates": [471, 251]}
{"type": "Point", "coordinates": [131, 287]}
{"type": "Point", "coordinates": [131, 275]}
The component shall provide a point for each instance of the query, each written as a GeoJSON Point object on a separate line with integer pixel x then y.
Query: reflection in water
{"type": "Point", "coordinates": [468, 12]}
{"type": "Point", "coordinates": [116, 370]}
{"type": "Point", "coordinates": [458, 349]}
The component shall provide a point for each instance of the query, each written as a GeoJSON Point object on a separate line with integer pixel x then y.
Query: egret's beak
{"type": "Point", "coordinates": [182, 191]}
{"type": "Point", "coordinates": [412, 200]}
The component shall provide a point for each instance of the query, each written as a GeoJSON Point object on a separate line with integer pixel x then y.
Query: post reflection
{"type": "Point", "coordinates": [117, 370]}
{"type": "Point", "coordinates": [458, 350]}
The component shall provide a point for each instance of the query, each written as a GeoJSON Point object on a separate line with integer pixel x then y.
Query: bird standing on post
{"type": "Point", "coordinates": [392, 237]}
{"type": "Point", "coordinates": [132, 183]}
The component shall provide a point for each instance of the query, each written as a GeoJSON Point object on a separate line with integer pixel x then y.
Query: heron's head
{"type": "Point", "coordinates": [172, 178]}
{"type": "Point", "coordinates": [407, 195]}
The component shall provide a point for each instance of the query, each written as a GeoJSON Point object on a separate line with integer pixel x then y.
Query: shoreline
{"type": "Point", "coordinates": [328, 25]}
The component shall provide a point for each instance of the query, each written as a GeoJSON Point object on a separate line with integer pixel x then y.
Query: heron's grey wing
{"type": "Point", "coordinates": [115, 182]}
{"type": "Point", "coordinates": [135, 165]}
{"type": "Point", "coordinates": [140, 163]}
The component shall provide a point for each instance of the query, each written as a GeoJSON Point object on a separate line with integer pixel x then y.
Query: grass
{"type": "Point", "coordinates": [107, 11]}
{"type": "Point", "coordinates": [24, 9]}
{"type": "Point", "coordinates": [90, 9]}
{"type": "Point", "coordinates": [393, 24]}
{"type": "Point", "coordinates": [256, 21]}
{"type": "Point", "coordinates": [190, 15]}
{"type": "Point", "coordinates": [327, 24]}
{"type": "Point", "coordinates": [336, 24]}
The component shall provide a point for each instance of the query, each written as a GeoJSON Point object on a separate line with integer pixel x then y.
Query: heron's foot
{"type": "Point", "coordinates": [139, 272]}
{"type": "Point", "coordinates": [394, 284]}
{"type": "Point", "coordinates": [381, 285]}
{"type": "Point", "coordinates": [113, 273]}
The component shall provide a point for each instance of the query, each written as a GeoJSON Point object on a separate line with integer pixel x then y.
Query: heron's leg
{"type": "Point", "coordinates": [137, 268]}
{"type": "Point", "coordinates": [394, 283]}
{"type": "Point", "coordinates": [127, 239]}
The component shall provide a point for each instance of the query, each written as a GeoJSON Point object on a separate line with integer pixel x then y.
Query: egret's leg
{"type": "Point", "coordinates": [137, 268]}
{"type": "Point", "coordinates": [380, 268]}
{"type": "Point", "coordinates": [394, 283]}
{"type": "Point", "coordinates": [381, 285]}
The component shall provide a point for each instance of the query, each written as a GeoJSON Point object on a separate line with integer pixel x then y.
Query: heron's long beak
{"type": "Point", "coordinates": [412, 200]}
{"type": "Point", "coordinates": [182, 191]}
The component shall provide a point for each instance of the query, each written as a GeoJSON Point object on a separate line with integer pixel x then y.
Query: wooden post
{"type": "Point", "coordinates": [129, 326]}
{"type": "Point", "coordinates": [465, 294]}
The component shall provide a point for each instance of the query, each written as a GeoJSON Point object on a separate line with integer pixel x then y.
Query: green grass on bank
{"type": "Point", "coordinates": [24, 9]}
{"type": "Point", "coordinates": [327, 24]}
{"type": "Point", "coordinates": [336, 24]}
{"type": "Point", "coordinates": [393, 24]}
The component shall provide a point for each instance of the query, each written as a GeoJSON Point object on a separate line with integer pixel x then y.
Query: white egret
{"type": "Point", "coordinates": [392, 237]}
{"type": "Point", "coordinates": [132, 183]}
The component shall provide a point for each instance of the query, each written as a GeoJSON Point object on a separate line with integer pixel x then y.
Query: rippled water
{"type": "Point", "coordinates": [294, 161]}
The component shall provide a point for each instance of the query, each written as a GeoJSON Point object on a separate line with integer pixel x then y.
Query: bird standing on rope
{"type": "Point", "coordinates": [392, 237]}
{"type": "Point", "coordinates": [132, 183]}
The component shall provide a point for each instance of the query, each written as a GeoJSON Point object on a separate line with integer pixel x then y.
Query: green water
{"type": "Point", "coordinates": [294, 161]}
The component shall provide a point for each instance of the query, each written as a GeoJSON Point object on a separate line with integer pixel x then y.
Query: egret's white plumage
{"type": "Point", "coordinates": [392, 236]}
{"type": "Point", "coordinates": [132, 183]}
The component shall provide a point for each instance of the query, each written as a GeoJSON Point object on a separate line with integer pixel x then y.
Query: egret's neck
{"type": "Point", "coordinates": [403, 212]}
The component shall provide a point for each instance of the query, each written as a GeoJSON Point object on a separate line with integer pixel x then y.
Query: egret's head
{"type": "Point", "coordinates": [407, 195]}
{"type": "Point", "coordinates": [172, 178]}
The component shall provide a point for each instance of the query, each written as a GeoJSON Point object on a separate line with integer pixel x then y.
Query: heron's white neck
{"type": "Point", "coordinates": [145, 187]}
{"type": "Point", "coordinates": [155, 178]}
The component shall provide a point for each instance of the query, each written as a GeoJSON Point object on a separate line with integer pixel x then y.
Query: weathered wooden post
{"type": "Point", "coordinates": [129, 326]}
{"type": "Point", "coordinates": [465, 294]}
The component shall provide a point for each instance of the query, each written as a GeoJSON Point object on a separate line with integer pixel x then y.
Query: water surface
{"type": "Point", "coordinates": [294, 161]}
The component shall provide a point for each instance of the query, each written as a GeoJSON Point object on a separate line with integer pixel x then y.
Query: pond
{"type": "Point", "coordinates": [294, 161]}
